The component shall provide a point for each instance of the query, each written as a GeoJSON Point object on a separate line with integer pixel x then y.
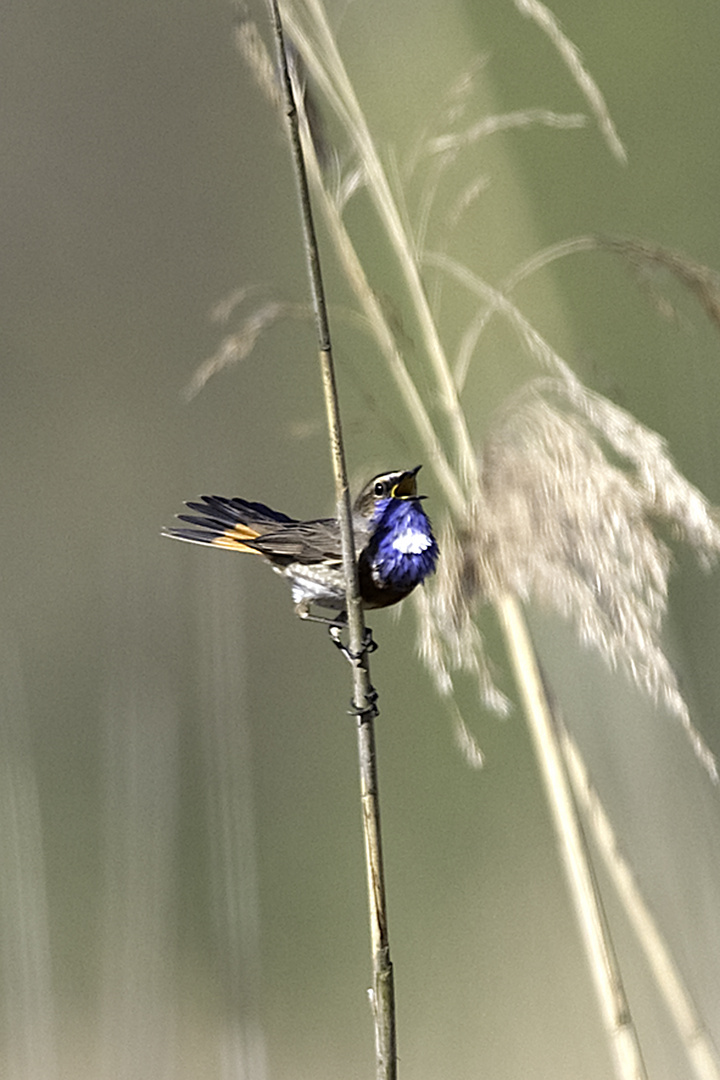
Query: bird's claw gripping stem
{"type": "Point", "coordinates": [369, 645]}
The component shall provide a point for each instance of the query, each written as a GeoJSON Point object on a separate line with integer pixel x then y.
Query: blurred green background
{"type": "Point", "coordinates": [181, 875]}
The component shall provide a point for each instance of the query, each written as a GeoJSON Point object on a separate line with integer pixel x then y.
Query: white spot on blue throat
{"type": "Point", "coordinates": [411, 542]}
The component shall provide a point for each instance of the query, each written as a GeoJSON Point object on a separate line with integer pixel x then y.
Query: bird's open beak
{"type": "Point", "coordinates": [406, 487]}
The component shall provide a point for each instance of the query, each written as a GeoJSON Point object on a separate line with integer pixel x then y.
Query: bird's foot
{"type": "Point", "coordinates": [335, 627]}
{"type": "Point", "coordinates": [369, 645]}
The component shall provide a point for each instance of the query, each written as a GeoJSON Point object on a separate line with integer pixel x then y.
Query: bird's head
{"type": "Point", "coordinates": [375, 496]}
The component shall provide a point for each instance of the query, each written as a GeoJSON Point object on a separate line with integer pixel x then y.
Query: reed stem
{"type": "Point", "coordinates": [382, 993]}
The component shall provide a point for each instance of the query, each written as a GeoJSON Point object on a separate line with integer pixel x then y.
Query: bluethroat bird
{"type": "Point", "coordinates": [395, 546]}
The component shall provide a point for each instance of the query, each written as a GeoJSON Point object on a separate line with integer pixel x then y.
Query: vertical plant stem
{"type": "Point", "coordinates": [383, 1005]}
{"type": "Point", "coordinates": [702, 1055]}
{"type": "Point", "coordinates": [614, 1008]}
{"type": "Point", "coordinates": [382, 995]}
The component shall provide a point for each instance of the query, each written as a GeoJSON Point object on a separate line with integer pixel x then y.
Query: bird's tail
{"type": "Point", "coordinates": [228, 523]}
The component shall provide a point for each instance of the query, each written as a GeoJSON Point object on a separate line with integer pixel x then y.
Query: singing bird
{"type": "Point", "coordinates": [394, 542]}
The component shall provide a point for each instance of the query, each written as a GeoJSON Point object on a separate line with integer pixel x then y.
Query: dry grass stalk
{"type": "Point", "coordinates": [570, 55]}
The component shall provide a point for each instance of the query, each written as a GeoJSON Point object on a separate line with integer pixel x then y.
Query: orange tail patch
{"type": "Point", "coordinates": [232, 539]}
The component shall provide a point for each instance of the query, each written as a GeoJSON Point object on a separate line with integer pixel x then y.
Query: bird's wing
{"type": "Point", "coordinates": [303, 541]}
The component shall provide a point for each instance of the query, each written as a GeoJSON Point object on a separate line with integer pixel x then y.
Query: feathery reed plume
{"type": "Point", "coordinates": [572, 489]}
{"type": "Point", "coordinates": [239, 345]}
{"type": "Point", "coordinates": [701, 280]}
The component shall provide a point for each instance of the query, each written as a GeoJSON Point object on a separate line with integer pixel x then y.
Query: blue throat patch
{"type": "Point", "coordinates": [402, 551]}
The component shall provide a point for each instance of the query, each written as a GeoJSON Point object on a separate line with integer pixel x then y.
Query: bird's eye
{"type": "Point", "coordinates": [380, 488]}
